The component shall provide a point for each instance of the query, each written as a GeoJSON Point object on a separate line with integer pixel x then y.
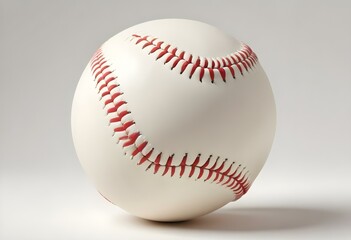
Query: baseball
{"type": "Point", "coordinates": [172, 119]}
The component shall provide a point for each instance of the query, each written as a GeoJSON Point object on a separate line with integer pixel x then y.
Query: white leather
{"type": "Point", "coordinates": [233, 120]}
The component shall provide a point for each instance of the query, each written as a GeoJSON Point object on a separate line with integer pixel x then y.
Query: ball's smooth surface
{"type": "Point", "coordinates": [173, 119]}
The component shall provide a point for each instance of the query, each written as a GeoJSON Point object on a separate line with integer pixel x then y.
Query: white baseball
{"type": "Point", "coordinates": [173, 119]}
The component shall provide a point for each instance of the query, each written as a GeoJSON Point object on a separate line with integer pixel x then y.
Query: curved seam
{"type": "Point", "coordinates": [135, 145]}
{"type": "Point", "coordinates": [242, 60]}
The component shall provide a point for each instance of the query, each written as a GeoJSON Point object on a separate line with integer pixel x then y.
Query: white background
{"type": "Point", "coordinates": [302, 192]}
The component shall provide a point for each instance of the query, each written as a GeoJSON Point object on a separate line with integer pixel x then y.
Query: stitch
{"type": "Point", "coordinates": [161, 54]}
{"type": "Point", "coordinates": [131, 139]}
{"type": "Point", "coordinates": [115, 96]}
{"type": "Point", "coordinates": [137, 147]}
{"type": "Point", "coordinates": [245, 66]}
{"type": "Point", "coordinates": [239, 182]}
{"type": "Point", "coordinates": [210, 173]}
{"type": "Point", "coordinates": [233, 58]}
{"type": "Point", "coordinates": [205, 63]}
{"type": "Point", "coordinates": [168, 164]}
{"type": "Point", "coordinates": [240, 69]}
{"type": "Point", "coordinates": [150, 165]}
{"type": "Point", "coordinates": [173, 170]}
{"type": "Point", "coordinates": [196, 65]}
{"type": "Point", "coordinates": [157, 163]}
{"type": "Point", "coordinates": [97, 62]}
{"type": "Point", "coordinates": [190, 58]}
{"type": "Point", "coordinates": [98, 65]}
{"type": "Point", "coordinates": [103, 76]}
{"type": "Point", "coordinates": [140, 141]}
{"type": "Point", "coordinates": [145, 157]}
{"type": "Point", "coordinates": [194, 165]}
{"type": "Point", "coordinates": [184, 65]}
{"type": "Point", "coordinates": [228, 169]}
{"type": "Point", "coordinates": [226, 182]}
{"type": "Point", "coordinates": [240, 185]}
{"type": "Point", "coordinates": [147, 149]}
{"type": "Point", "coordinates": [218, 172]}
{"type": "Point", "coordinates": [183, 165]}
{"type": "Point", "coordinates": [218, 63]}
{"type": "Point", "coordinates": [124, 126]}
{"type": "Point", "coordinates": [222, 72]}
{"type": "Point", "coordinates": [169, 58]}
{"type": "Point", "coordinates": [175, 63]}
{"type": "Point", "coordinates": [245, 57]}
{"type": "Point", "coordinates": [203, 167]}
{"type": "Point", "coordinates": [211, 72]}
{"type": "Point", "coordinates": [202, 72]}
{"type": "Point", "coordinates": [154, 155]}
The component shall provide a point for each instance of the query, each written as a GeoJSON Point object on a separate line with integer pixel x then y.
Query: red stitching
{"type": "Point", "coordinates": [222, 66]}
{"type": "Point", "coordinates": [135, 145]}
